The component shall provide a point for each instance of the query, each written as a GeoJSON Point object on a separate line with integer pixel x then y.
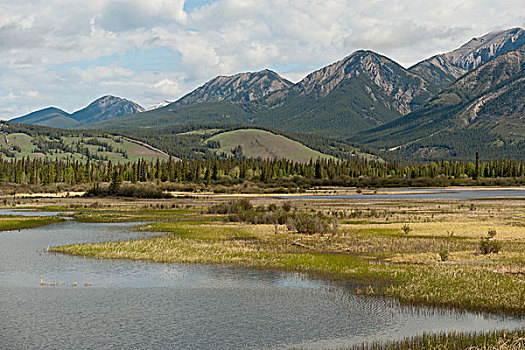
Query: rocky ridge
{"type": "Point", "coordinates": [401, 86]}
{"type": "Point", "coordinates": [445, 68]}
{"type": "Point", "coordinates": [242, 87]}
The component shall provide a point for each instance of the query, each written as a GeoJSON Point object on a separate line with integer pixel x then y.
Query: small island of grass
{"type": "Point", "coordinates": [11, 223]}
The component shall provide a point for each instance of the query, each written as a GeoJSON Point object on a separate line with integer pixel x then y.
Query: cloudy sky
{"type": "Point", "coordinates": [66, 53]}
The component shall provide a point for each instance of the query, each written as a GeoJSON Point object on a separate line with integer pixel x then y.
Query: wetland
{"type": "Point", "coordinates": [191, 277]}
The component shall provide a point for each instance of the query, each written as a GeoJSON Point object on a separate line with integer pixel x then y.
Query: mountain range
{"type": "Point", "coordinates": [449, 105]}
{"type": "Point", "coordinates": [362, 91]}
{"type": "Point", "coordinates": [104, 108]}
{"type": "Point", "coordinates": [483, 111]}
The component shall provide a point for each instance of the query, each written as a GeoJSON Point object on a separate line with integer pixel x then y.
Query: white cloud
{"type": "Point", "coordinates": [45, 45]}
{"type": "Point", "coordinates": [117, 16]}
{"type": "Point", "coordinates": [97, 74]}
{"type": "Point", "coordinates": [167, 87]}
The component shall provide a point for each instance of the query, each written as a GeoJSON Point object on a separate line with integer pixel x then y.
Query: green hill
{"type": "Point", "coordinates": [51, 116]}
{"type": "Point", "coordinates": [256, 143]}
{"type": "Point", "coordinates": [18, 141]}
{"type": "Point", "coordinates": [192, 141]}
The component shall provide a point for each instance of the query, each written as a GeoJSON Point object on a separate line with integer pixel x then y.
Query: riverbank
{"type": "Point", "coordinates": [10, 223]}
{"type": "Point", "coordinates": [437, 262]}
{"type": "Point", "coordinates": [499, 340]}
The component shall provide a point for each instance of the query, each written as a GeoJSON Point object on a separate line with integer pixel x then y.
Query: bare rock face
{"type": "Point", "coordinates": [401, 86]}
{"type": "Point", "coordinates": [107, 107]}
{"type": "Point", "coordinates": [242, 87]}
{"type": "Point", "coordinates": [444, 69]}
{"type": "Point", "coordinates": [500, 69]}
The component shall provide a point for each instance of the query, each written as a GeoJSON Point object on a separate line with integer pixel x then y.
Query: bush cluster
{"type": "Point", "coordinates": [242, 210]}
{"type": "Point", "coordinates": [488, 245]}
{"type": "Point", "coordinates": [127, 191]}
{"type": "Point", "coordinates": [304, 222]}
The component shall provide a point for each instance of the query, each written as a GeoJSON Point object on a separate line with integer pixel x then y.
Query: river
{"type": "Point", "coordinates": [140, 305]}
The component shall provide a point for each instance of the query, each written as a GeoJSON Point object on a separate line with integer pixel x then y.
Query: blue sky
{"type": "Point", "coordinates": [66, 54]}
{"type": "Point", "coordinates": [191, 5]}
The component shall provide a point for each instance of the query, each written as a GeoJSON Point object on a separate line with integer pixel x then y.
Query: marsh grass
{"type": "Point", "coordinates": [132, 215]}
{"type": "Point", "coordinates": [497, 340]}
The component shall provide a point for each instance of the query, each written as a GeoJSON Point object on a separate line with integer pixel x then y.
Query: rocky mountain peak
{"type": "Point", "coordinates": [107, 107]}
{"type": "Point", "coordinates": [480, 50]}
{"type": "Point", "coordinates": [241, 87]}
{"type": "Point", "coordinates": [394, 81]}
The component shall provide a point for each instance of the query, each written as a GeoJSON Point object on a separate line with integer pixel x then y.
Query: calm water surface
{"type": "Point", "coordinates": [430, 193]}
{"type": "Point", "coordinates": [138, 305]}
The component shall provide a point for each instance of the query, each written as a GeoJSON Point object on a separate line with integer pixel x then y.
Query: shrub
{"type": "Point", "coordinates": [302, 222]}
{"type": "Point", "coordinates": [491, 234]}
{"type": "Point", "coordinates": [406, 229]}
{"type": "Point", "coordinates": [443, 255]}
{"type": "Point", "coordinates": [135, 191]}
{"type": "Point", "coordinates": [237, 206]}
{"type": "Point", "coordinates": [272, 207]}
{"type": "Point", "coordinates": [488, 245]}
{"type": "Point", "coordinates": [141, 192]}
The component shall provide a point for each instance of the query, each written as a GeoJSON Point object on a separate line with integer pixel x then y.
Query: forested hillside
{"type": "Point", "coordinates": [19, 141]}
{"type": "Point", "coordinates": [192, 141]}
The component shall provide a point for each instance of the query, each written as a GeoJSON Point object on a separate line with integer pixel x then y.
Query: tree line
{"type": "Point", "coordinates": [349, 172]}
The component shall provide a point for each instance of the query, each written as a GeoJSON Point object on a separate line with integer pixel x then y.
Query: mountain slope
{"type": "Point", "coordinates": [169, 116]}
{"type": "Point", "coordinates": [48, 117]}
{"type": "Point", "coordinates": [242, 87]}
{"type": "Point", "coordinates": [106, 107]}
{"type": "Point", "coordinates": [444, 69]}
{"type": "Point", "coordinates": [483, 111]}
{"type": "Point", "coordinates": [362, 91]}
